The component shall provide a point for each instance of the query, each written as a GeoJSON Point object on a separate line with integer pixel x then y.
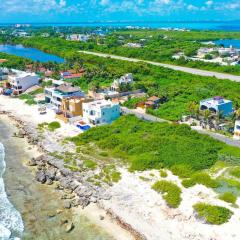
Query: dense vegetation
{"type": "Point", "coordinates": [147, 145]}
{"type": "Point", "coordinates": [177, 87]}
{"type": "Point", "coordinates": [171, 192]}
{"type": "Point", "coordinates": [213, 214]}
{"type": "Point", "coordinates": [159, 46]}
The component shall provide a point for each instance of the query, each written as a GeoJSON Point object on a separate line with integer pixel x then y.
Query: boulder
{"type": "Point", "coordinates": [40, 176]}
{"type": "Point", "coordinates": [69, 227]}
{"type": "Point", "coordinates": [67, 204]}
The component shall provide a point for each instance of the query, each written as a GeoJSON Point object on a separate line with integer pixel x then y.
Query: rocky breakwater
{"type": "Point", "coordinates": [77, 191]}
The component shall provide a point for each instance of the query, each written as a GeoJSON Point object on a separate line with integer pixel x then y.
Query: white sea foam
{"type": "Point", "coordinates": [10, 219]}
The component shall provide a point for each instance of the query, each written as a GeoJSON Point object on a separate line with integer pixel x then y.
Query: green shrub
{"type": "Point", "coordinates": [103, 154]}
{"type": "Point", "coordinates": [89, 164]}
{"type": "Point", "coordinates": [200, 178]}
{"type": "Point", "coordinates": [213, 214]}
{"type": "Point", "coordinates": [53, 126]}
{"type": "Point", "coordinates": [235, 172]}
{"type": "Point", "coordinates": [115, 176]}
{"type": "Point", "coordinates": [228, 197]}
{"type": "Point", "coordinates": [171, 192]}
{"type": "Point", "coordinates": [182, 170]}
{"type": "Point", "coordinates": [163, 174]}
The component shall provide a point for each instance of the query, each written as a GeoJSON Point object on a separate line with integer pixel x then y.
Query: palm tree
{"type": "Point", "coordinates": [192, 108]}
{"type": "Point", "coordinates": [207, 114]}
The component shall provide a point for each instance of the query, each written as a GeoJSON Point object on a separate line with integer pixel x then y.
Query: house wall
{"type": "Point", "coordinates": [25, 82]}
{"type": "Point", "coordinates": [226, 108]}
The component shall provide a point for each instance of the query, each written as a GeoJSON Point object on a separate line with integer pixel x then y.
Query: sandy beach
{"type": "Point", "coordinates": [139, 208]}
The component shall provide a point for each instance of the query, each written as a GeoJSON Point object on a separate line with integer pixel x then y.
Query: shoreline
{"type": "Point", "coordinates": [110, 223]}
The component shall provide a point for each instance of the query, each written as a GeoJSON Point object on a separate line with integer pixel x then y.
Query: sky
{"type": "Point", "coordinates": [30, 11]}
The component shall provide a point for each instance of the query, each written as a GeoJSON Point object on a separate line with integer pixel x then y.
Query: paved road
{"type": "Point", "coordinates": [147, 117]}
{"type": "Point", "coordinates": [178, 68]}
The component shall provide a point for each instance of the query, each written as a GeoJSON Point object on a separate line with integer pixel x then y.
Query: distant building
{"type": "Point", "coordinates": [101, 112]}
{"type": "Point", "coordinates": [133, 45]}
{"type": "Point", "coordinates": [3, 74]}
{"type": "Point", "coordinates": [217, 104]}
{"type": "Point", "coordinates": [21, 81]}
{"type": "Point", "coordinates": [71, 74]}
{"type": "Point", "coordinates": [55, 95]}
{"type": "Point", "coordinates": [78, 37]}
{"type": "Point", "coordinates": [126, 79]}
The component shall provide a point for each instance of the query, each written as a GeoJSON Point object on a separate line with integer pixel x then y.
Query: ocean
{"type": "Point", "coordinates": [197, 25]}
{"type": "Point", "coordinates": [11, 224]}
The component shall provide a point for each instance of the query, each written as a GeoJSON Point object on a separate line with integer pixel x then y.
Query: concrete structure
{"type": "Point", "coordinates": [237, 130]}
{"type": "Point", "coordinates": [101, 112]}
{"type": "Point", "coordinates": [21, 81]}
{"type": "Point", "coordinates": [55, 95]}
{"type": "Point", "coordinates": [3, 74]}
{"type": "Point", "coordinates": [78, 37]}
{"type": "Point", "coordinates": [217, 104]}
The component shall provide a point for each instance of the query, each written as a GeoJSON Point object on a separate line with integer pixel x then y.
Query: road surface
{"type": "Point", "coordinates": [148, 117]}
{"type": "Point", "coordinates": [178, 68]}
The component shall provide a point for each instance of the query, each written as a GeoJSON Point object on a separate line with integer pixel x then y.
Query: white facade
{"type": "Point", "coordinates": [237, 130]}
{"type": "Point", "coordinates": [78, 37]}
{"type": "Point", "coordinates": [101, 112]}
{"type": "Point", "coordinates": [21, 81]}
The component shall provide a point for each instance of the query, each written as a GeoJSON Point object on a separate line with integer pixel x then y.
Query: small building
{"type": "Point", "coordinates": [71, 74]}
{"type": "Point", "coordinates": [78, 37]}
{"type": "Point", "coordinates": [237, 130]}
{"type": "Point", "coordinates": [72, 106]}
{"type": "Point", "coordinates": [55, 95]}
{"type": "Point", "coordinates": [21, 81]}
{"type": "Point", "coordinates": [3, 74]}
{"type": "Point", "coordinates": [217, 104]}
{"type": "Point", "coordinates": [101, 112]}
{"type": "Point", "coordinates": [152, 102]}
{"type": "Point", "coordinates": [133, 45]}
{"type": "Point", "coordinates": [124, 80]}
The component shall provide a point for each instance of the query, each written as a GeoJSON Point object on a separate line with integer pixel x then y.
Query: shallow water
{"type": "Point", "coordinates": [35, 201]}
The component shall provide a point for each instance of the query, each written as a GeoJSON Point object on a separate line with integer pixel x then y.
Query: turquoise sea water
{"type": "Point", "coordinates": [32, 53]}
{"type": "Point", "coordinates": [205, 25]}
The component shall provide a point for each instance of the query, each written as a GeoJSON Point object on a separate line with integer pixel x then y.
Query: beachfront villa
{"type": "Point", "coordinates": [101, 112]}
{"type": "Point", "coordinates": [217, 104]}
{"type": "Point", "coordinates": [21, 81]}
{"type": "Point", "coordinates": [55, 95]}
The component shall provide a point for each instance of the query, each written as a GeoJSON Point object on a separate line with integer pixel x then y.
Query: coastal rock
{"type": "Point", "coordinates": [51, 173]}
{"type": "Point", "coordinates": [32, 162]}
{"type": "Point", "coordinates": [40, 176]}
{"type": "Point", "coordinates": [67, 204]}
{"type": "Point", "coordinates": [69, 227]}
{"type": "Point", "coordinates": [82, 191]}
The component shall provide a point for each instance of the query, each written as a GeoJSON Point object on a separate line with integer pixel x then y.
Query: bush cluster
{"type": "Point", "coordinates": [213, 214]}
{"type": "Point", "coordinates": [200, 178]}
{"type": "Point", "coordinates": [171, 192]}
{"type": "Point", "coordinates": [228, 197]}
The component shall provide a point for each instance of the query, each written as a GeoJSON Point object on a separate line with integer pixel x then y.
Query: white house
{"type": "Point", "coordinates": [78, 37]}
{"type": "Point", "coordinates": [21, 81]}
{"type": "Point", "coordinates": [126, 79]}
{"type": "Point", "coordinates": [101, 112]}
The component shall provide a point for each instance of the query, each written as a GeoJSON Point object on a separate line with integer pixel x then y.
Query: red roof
{"type": "Point", "coordinates": [153, 98]}
{"type": "Point", "coordinates": [76, 75]}
{"type": "Point", "coordinates": [149, 103]}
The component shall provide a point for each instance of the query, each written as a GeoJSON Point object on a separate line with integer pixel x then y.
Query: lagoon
{"type": "Point", "coordinates": [31, 53]}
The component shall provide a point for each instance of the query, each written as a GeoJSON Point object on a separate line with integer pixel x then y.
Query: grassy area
{"type": "Point", "coordinates": [235, 172]}
{"type": "Point", "coordinates": [147, 145]}
{"type": "Point", "coordinates": [53, 126]}
{"type": "Point", "coordinates": [171, 192]}
{"type": "Point", "coordinates": [213, 214]}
